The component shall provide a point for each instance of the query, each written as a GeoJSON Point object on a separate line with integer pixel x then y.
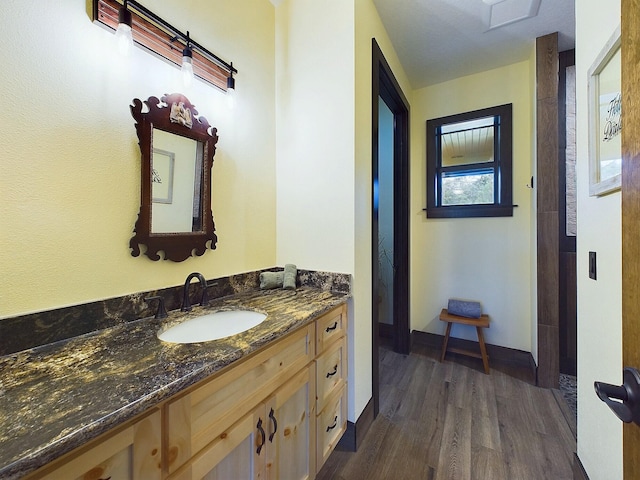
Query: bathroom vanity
{"type": "Point", "coordinates": [266, 403]}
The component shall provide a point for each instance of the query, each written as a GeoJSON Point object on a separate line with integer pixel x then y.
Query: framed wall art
{"type": "Point", "coordinates": [605, 119]}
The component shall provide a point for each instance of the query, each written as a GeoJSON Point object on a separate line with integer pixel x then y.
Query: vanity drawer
{"type": "Point", "coordinates": [331, 423]}
{"type": "Point", "coordinates": [330, 327]}
{"type": "Point", "coordinates": [331, 372]}
{"type": "Point", "coordinates": [196, 419]}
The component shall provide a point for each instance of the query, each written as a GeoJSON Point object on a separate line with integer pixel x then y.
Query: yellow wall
{"type": "Point", "coordinates": [70, 183]}
{"type": "Point", "coordinates": [599, 302]}
{"type": "Point", "coordinates": [324, 153]}
{"type": "Point", "coordinates": [367, 26]}
{"type": "Point", "coordinates": [69, 189]}
{"type": "Point", "coordinates": [486, 259]}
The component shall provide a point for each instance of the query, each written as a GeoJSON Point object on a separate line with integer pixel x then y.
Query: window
{"type": "Point", "coordinates": [469, 164]}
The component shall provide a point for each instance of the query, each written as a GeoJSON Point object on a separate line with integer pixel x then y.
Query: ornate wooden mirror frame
{"type": "Point", "coordinates": [174, 114]}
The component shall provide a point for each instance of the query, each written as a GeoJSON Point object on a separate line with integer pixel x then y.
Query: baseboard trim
{"type": "Point", "coordinates": [579, 472]}
{"type": "Point", "coordinates": [356, 432]}
{"type": "Point", "coordinates": [496, 353]}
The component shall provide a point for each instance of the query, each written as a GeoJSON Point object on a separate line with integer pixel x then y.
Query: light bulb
{"type": "Point", "coordinates": [187, 63]}
{"type": "Point", "coordinates": [231, 92]}
{"type": "Point", "coordinates": [124, 39]}
{"type": "Point", "coordinates": [187, 68]}
{"type": "Point", "coordinates": [231, 98]}
{"type": "Point", "coordinates": [124, 35]}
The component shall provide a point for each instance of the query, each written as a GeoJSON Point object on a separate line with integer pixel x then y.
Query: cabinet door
{"type": "Point", "coordinates": [198, 418]}
{"type": "Point", "coordinates": [291, 428]}
{"type": "Point", "coordinates": [130, 454]}
{"type": "Point", "coordinates": [238, 453]}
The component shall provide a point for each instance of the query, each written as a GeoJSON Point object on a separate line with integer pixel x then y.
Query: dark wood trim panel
{"type": "Point", "coordinates": [353, 437]}
{"type": "Point", "coordinates": [547, 209]}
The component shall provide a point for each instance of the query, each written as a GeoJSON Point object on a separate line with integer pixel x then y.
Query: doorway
{"type": "Point", "coordinates": [390, 214]}
{"type": "Point", "coordinates": [567, 214]}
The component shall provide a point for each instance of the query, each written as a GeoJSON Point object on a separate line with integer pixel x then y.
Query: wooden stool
{"type": "Point", "coordinates": [479, 323]}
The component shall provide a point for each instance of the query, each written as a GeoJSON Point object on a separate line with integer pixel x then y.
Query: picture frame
{"type": "Point", "coordinates": [605, 119]}
{"type": "Point", "coordinates": [162, 176]}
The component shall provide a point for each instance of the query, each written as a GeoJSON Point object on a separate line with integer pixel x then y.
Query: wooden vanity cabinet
{"type": "Point", "coordinates": [130, 452]}
{"type": "Point", "coordinates": [274, 441]}
{"type": "Point", "coordinates": [205, 413]}
{"type": "Point", "coordinates": [294, 392]}
{"type": "Point", "coordinates": [276, 414]}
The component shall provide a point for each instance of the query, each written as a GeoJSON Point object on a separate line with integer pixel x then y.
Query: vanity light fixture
{"type": "Point", "coordinates": [231, 82]}
{"type": "Point", "coordinates": [187, 63]}
{"type": "Point", "coordinates": [163, 40]}
{"type": "Point", "coordinates": [231, 89]}
{"type": "Point", "coordinates": [124, 35]}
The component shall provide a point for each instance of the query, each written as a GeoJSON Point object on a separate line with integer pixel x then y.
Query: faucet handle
{"type": "Point", "coordinates": [205, 295]}
{"type": "Point", "coordinates": [161, 312]}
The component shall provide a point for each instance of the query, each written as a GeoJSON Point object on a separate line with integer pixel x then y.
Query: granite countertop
{"type": "Point", "coordinates": [56, 397]}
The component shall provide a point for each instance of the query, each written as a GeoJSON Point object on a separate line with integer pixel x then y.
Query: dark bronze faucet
{"type": "Point", "coordinates": [186, 303]}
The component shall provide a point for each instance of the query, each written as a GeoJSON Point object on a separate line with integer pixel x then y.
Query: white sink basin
{"type": "Point", "coordinates": [212, 326]}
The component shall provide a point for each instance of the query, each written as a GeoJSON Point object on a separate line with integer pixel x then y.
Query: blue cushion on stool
{"type": "Point", "coordinates": [464, 308]}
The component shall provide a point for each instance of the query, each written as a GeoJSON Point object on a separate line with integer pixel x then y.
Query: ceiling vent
{"type": "Point", "coordinates": [505, 12]}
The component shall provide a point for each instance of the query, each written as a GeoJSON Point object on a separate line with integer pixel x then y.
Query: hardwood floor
{"type": "Point", "coordinates": [451, 421]}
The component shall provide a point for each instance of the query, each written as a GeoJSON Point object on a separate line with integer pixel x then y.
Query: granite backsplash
{"type": "Point", "coordinates": [42, 328]}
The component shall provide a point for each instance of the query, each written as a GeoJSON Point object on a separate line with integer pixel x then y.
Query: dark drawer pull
{"type": "Point", "coordinates": [335, 370]}
{"type": "Point", "coordinates": [335, 325]}
{"type": "Point", "coordinates": [335, 423]}
{"type": "Point", "coordinates": [275, 425]}
{"type": "Point", "coordinates": [263, 436]}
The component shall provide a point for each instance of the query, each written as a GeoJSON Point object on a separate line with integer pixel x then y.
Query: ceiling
{"type": "Point", "coordinates": [438, 40]}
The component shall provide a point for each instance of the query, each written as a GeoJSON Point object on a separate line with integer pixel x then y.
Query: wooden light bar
{"type": "Point", "coordinates": [163, 40]}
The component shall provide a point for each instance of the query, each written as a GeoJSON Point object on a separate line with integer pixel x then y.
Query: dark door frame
{"type": "Point", "coordinates": [385, 85]}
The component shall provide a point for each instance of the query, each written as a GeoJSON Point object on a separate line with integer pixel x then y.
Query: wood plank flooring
{"type": "Point", "coordinates": [451, 421]}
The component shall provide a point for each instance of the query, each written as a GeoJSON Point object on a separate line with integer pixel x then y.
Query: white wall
{"type": "Point", "coordinates": [315, 134]}
{"type": "Point", "coordinates": [599, 302]}
{"type": "Point", "coordinates": [323, 70]}
{"type": "Point", "coordinates": [484, 259]}
{"type": "Point", "coordinates": [70, 183]}
{"type": "Point", "coordinates": [315, 149]}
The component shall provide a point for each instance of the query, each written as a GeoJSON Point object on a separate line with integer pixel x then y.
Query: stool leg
{"type": "Point", "coordinates": [444, 343]}
{"type": "Point", "coordinates": [483, 350]}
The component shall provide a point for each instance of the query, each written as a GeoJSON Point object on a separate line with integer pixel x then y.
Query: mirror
{"type": "Point", "coordinates": [177, 148]}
